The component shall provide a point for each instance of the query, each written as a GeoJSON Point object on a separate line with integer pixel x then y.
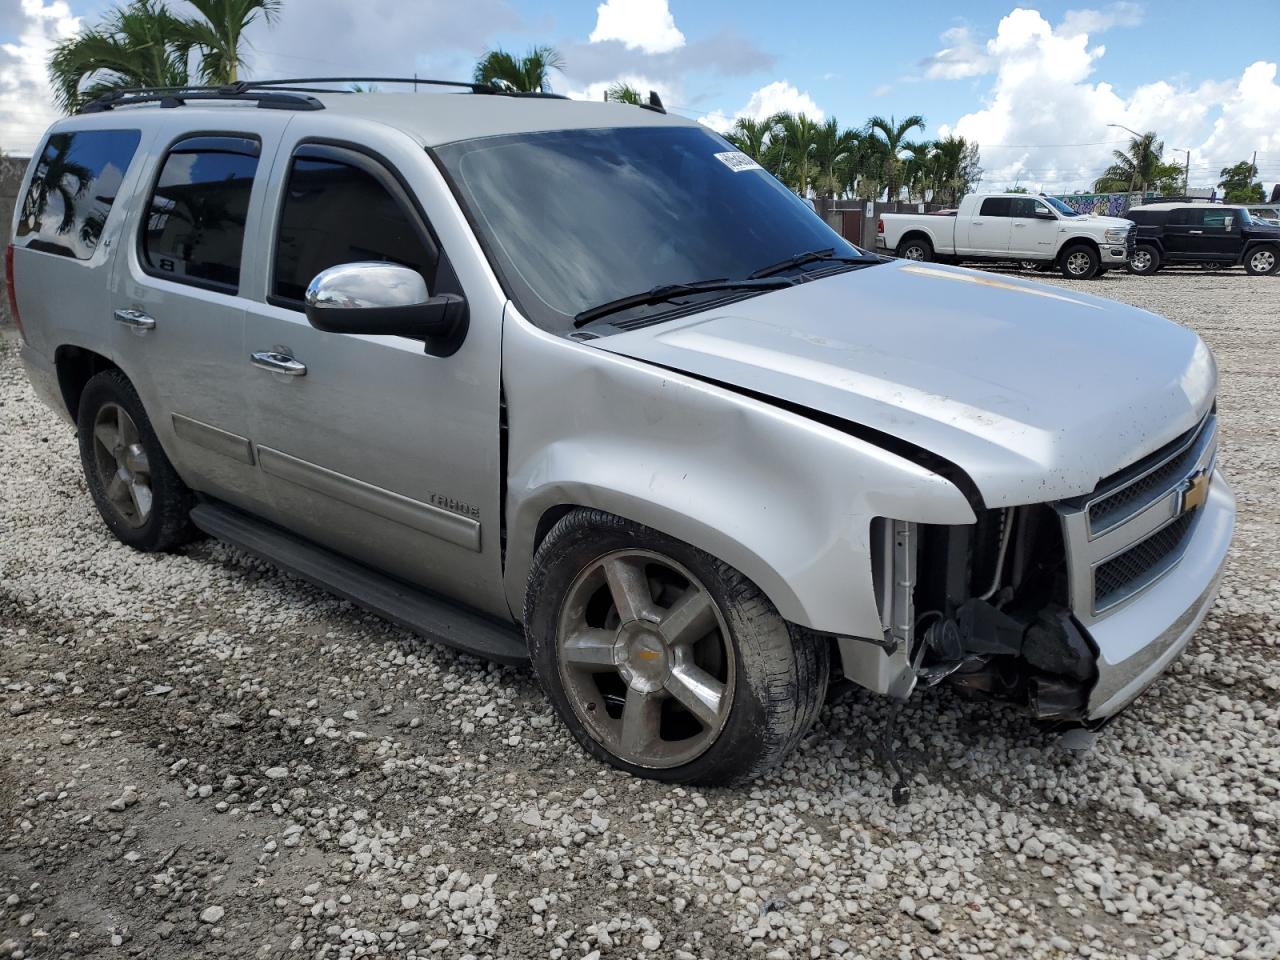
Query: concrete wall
{"type": "Point", "coordinates": [11, 171]}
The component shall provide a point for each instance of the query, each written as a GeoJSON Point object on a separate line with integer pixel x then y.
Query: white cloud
{"type": "Point", "coordinates": [596, 91]}
{"type": "Point", "coordinates": [963, 56]}
{"type": "Point", "coordinates": [1044, 94]}
{"type": "Point", "coordinates": [644, 24]}
{"type": "Point", "coordinates": [777, 97]}
{"type": "Point", "coordinates": [26, 106]}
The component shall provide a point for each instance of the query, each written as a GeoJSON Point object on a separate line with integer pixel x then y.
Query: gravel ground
{"type": "Point", "coordinates": [200, 756]}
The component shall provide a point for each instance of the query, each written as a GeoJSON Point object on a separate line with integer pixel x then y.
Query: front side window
{"type": "Point", "coordinates": [75, 182]}
{"type": "Point", "coordinates": [1027, 207]}
{"type": "Point", "coordinates": [577, 218]}
{"type": "Point", "coordinates": [344, 212]}
{"type": "Point", "coordinates": [194, 232]}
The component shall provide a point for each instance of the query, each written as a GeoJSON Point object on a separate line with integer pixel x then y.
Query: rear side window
{"type": "Point", "coordinates": [73, 186]}
{"type": "Point", "coordinates": [336, 212]}
{"type": "Point", "coordinates": [194, 232]}
{"type": "Point", "coordinates": [995, 207]}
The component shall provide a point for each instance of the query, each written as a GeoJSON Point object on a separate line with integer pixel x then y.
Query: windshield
{"type": "Point", "coordinates": [576, 218]}
{"type": "Point", "coordinates": [1061, 207]}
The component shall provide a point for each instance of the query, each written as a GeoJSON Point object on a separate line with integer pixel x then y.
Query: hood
{"type": "Point", "coordinates": [1036, 392]}
{"type": "Point", "coordinates": [1108, 223]}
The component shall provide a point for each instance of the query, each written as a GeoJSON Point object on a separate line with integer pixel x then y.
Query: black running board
{"type": "Point", "coordinates": [426, 614]}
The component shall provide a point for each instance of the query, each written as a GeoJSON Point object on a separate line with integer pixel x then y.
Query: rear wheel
{"type": "Point", "coordinates": [1261, 261]}
{"type": "Point", "coordinates": [1145, 260]}
{"type": "Point", "coordinates": [915, 249]}
{"type": "Point", "coordinates": [1080, 262]}
{"type": "Point", "coordinates": [132, 482]}
{"type": "Point", "coordinates": [664, 661]}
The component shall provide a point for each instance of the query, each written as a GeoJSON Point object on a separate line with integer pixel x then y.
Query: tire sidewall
{"type": "Point", "coordinates": [737, 745]}
{"type": "Point", "coordinates": [1153, 264]}
{"type": "Point", "coordinates": [1095, 262]}
{"type": "Point", "coordinates": [111, 386]}
{"type": "Point", "coordinates": [1275, 265]}
{"type": "Point", "coordinates": [926, 250]}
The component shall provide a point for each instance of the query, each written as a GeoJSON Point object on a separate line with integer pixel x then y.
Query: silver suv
{"type": "Point", "coordinates": [579, 383]}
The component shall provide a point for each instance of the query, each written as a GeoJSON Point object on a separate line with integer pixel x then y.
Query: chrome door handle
{"type": "Point", "coordinates": [136, 319]}
{"type": "Point", "coordinates": [975, 223]}
{"type": "Point", "coordinates": [278, 363]}
{"type": "Point", "coordinates": [1195, 231]}
{"type": "Point", "coordinates": [1019, 225]}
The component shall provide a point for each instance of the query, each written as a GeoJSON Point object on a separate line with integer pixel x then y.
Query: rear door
{"type": "Point", "coordinates": [987, 231]}
{"type": "Point", "coordinates": [1033, 229]}
{"type": "Point", "coordinates": [371, 445]}
{"type": "Point", "coordinates": [178, 308]}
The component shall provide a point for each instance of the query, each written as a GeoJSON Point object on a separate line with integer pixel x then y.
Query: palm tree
{"type": "Point", "coordinates": [888, 136]}
{"type": "Point", "coordinates": [140, 45]}
{"type": "Point", "coordinates": [218, 34]}
{"type": "Point", "coordinates": [916, 171]}
{"type": "Point", "coordinates": [751, 136]}
{"type": "Point", "coordinates": [624, 93]}
{"type": "Point", "coordinates": [1135, 168]}
{"type": "Point", "coordinates": [528, 74]}
{"type": "Point", "coordinates": [797, 137]}
{"type": "Point", "coordinates": [832, 150]}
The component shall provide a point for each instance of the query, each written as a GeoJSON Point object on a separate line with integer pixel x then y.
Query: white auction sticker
{"type": "Point", "coordinates": [737, 161]}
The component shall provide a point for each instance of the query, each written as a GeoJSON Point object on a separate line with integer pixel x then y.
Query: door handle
{"type": "Point", "coordinates": [1019, 225]}
{"type": "Point", "coordinates": [136, 319]}
{"type": "Point", "coordinates": [278, 363]}
{"type": "Point", "coordinates": [1195, 231]}
{"type": "Point", "coordinates": [975, 223]}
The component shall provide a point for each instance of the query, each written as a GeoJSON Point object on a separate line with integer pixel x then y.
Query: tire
{"type": "Point", "coordinates": [610, 676]}
{"type": "Point", "coordinates": [915, 249]}
{"type": "Point", "coordinates": [1079, 262]}
{"type": "Point", "coordinates": [1262, 261]}
{"type": "Point", "coordinates": [1145, 260]}
{"type": "Point", "coordinates": [133, 484]}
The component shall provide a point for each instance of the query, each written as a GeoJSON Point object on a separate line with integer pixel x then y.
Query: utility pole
{"type": "Point", "coordinates": [1186, 173]}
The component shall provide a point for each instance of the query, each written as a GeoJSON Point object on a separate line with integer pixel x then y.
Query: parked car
{"type": "Point", "coordinates": [1267, 212]}
{"type": "Point", "coordinates": [473, 362]}
{"type": "Point", "coordinates": [1013, 227]}
{"type": "Point", "coordinates": [1211, 234]}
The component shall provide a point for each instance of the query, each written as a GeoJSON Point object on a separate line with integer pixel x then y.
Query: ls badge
{"type": "Point", "coordinates": [1195, 490]}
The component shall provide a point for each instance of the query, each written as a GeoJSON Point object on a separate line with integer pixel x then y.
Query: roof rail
{"type": "Point", "coordinates": [289, 94]}
{"type": "Point", "coordinates": [1152, 200]}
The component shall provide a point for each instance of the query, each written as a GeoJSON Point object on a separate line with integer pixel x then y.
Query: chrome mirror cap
{"type": "Point", "coordinates": [366, 285]}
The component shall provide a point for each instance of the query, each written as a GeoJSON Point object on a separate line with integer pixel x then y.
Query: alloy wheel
{"type": "Point", "coordinates": [1078, 263]}
{"type": "Point", "coordinates": [122, 466]}
{"type": "Point", "coordinates": [1264, 261]}
{"type": "Point", "coordinates": [645, 658]}
{"type": "Point", "coordinates": [1142, 261]}
{"type": "Point", "coordinates": [913, 252]}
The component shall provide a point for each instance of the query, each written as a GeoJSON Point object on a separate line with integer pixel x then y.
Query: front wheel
{"type": "Point", "coordinates": [1262, 261]}
{"type": "Point", "coordinates": [662, 660]}
{"type": "Point", "coordinates": [1145, 260]}
{"type": "Point", "coordinates": [1080, 263]}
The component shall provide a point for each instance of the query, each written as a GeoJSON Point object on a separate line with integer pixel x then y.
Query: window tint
{"type": "Point", "coordinates": [72, 188]}
{"type": "Point", "coordinates": [195, 224]}
{"type": "Point", "coordinates": [995, 207]}
{"type": "Point", "coordinates": [1222, 220]}
{"type": "Point", "coordinates": [1142, 217]}
{"type": "Point", "coordinates": [337, 212]}
{"type": "Point", "coordinates": [1025, 207]}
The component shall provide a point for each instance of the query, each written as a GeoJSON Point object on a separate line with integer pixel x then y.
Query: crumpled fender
{"type": "Point", "coordinates": [785, 500]}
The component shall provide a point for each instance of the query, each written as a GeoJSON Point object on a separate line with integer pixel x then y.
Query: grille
{"type": "Point", "coordinates": [1141, 563]}
{"type": "Point", "coordinates": [1132, 498]}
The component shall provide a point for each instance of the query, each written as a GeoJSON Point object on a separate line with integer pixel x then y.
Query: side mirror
{"type": "Point", "coordinates": [1045, 215]}
{"type": "Point", "coordinates": [382, 298]}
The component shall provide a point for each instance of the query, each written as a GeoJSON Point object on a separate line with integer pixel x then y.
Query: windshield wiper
{"type": "Point", "coordinates": [668, 291]}
{"type": "Point", "coordinates": [812, 256]}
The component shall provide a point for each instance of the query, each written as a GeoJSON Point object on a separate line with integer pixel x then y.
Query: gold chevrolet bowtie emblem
{"type": "Point", "coordinates": [1196, 491]}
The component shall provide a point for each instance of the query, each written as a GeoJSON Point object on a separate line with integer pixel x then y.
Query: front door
{"type": "Point", "coordinates": [1034, 229]}
{"type": "Point", "coordinates": [177, 310]}
{"type": "Point", "coordinates": [1219, 236]}
{"type": "Point", "coordinates": [370, 445]}
{"type": "Point", "coordinates": [988, 230]}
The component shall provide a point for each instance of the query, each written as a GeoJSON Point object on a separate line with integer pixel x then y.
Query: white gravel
{"type": "Point", "coordinates": [202, 757]}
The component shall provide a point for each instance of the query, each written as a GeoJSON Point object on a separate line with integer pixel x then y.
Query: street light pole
{"type": "Point", "coordinates": [1186, 173]}
{"type": "Point", "coordinates": [1134, 175]}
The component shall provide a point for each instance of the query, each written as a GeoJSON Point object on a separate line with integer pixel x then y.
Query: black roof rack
{"type": "Point", "coordinates": [289, 94]}
{"type": "Point", "coordinates": [1151, 200]}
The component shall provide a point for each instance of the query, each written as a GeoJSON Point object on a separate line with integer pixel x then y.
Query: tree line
{"type": "Point", "coordinates": [1141, 167]}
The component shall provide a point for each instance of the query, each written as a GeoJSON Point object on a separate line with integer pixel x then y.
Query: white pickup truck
{"type": "Point", "coordinates": [1035, 230]}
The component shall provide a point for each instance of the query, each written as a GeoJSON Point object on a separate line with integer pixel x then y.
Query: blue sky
{"type": "Point", "coordinates": [1036, 85]}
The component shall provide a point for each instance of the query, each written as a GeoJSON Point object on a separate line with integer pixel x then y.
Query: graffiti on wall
{"type": "Point", "coordinates": [1100, 204]}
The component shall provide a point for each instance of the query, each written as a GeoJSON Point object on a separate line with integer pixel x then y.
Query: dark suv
{"type": "Point", "coordinates": [1205, 233]}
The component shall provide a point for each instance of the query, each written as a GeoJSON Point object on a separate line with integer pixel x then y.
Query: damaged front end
{"type": "Point", "coordinates": [984, 607]}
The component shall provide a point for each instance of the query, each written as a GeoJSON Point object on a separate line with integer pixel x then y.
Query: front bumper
{"type": "Point", "coordinates": [1139, 641]}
